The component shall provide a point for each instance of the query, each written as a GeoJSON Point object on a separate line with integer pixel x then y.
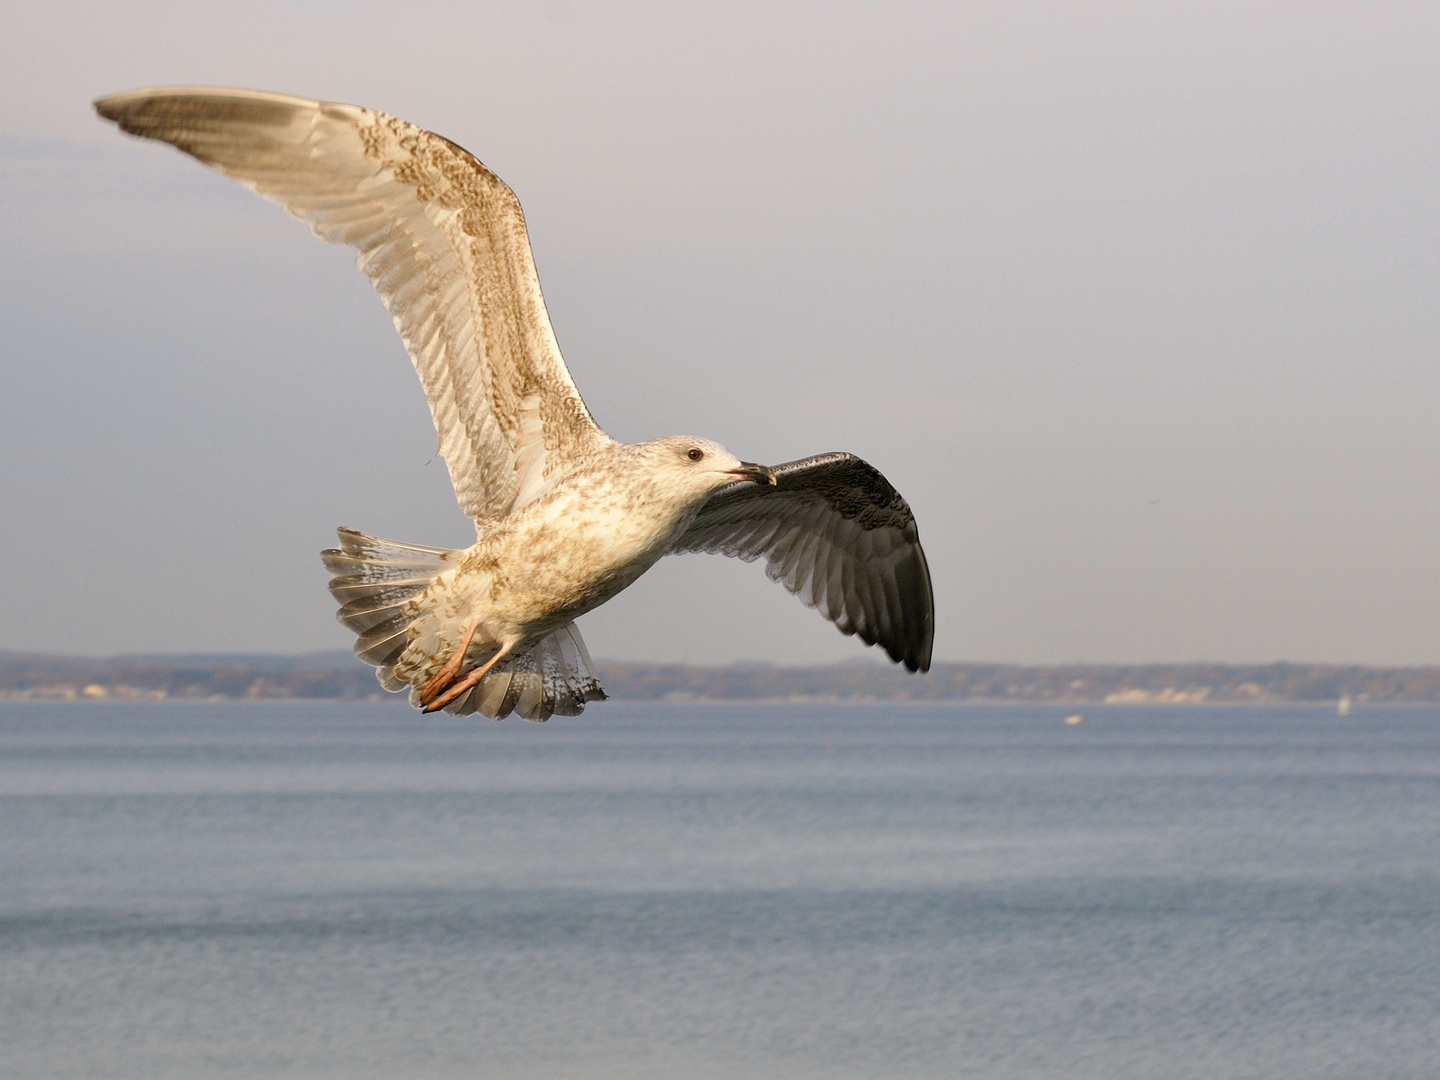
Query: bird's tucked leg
{"type": "Point", "coordinates": [472, 679]}
{"type": "Point", "coordinates": [446, 675]}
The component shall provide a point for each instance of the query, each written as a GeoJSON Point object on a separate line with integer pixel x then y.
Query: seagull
{"type": "Point", "coordinates": [565, 516]}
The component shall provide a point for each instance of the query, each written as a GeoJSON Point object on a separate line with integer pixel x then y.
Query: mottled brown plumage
{"type": "Point", "coordinates": [565, 516]}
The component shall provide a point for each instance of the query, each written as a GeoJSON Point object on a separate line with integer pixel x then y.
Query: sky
{"type": "Point", "coordinates": [1136, 304]}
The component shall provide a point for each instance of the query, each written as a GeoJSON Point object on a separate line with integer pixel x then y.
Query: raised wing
{"type": "Point", "coordinates": [834, 532]}
{"type": "Point", "coordinates": [443, 241]}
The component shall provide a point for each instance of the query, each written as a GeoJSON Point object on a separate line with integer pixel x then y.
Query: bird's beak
{"type": "Point", "coordinates": [761, 474]}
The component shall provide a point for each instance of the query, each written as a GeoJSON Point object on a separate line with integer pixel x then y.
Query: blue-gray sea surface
{"type": "Point", "coordinates": [746, 891]}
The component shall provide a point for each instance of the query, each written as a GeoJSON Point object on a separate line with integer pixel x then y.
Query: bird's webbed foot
{"type": "Point", "coordinates": [459, 686]}
{"type": "Point", "coordinates": [451, 668]}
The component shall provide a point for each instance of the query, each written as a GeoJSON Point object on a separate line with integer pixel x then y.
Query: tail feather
{"type": "Point", "coordinates": [553, 677]}
{"type": "Point", "coordinates": [373, 549]}
{"type": "Point", "coordinates": [381, 646]}
{"type": "Point", "coordinates": [373, 582]}
{"type": "Point", "coordinates": [354, 587]}
{"type": "Point", "coordinates": [374, 599]}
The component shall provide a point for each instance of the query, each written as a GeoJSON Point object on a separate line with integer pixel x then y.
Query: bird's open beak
{"type": "Point", "coordinates": [761, 474]}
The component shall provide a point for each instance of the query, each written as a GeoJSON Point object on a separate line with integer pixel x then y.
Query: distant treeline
{"type": "Point", "coordinates": [25, 676]}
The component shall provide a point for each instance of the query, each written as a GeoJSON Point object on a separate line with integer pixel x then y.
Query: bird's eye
{"type": "Point", "coordinates": [695, 453]}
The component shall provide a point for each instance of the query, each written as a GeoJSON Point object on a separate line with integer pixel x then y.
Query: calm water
{"type": "Point", "coordinates": [740, 891]}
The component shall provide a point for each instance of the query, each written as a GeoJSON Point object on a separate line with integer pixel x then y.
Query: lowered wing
{"type": "Point", "coordinates": [834, 532]}
{"type": "Point", "coordinates": [443, 241]}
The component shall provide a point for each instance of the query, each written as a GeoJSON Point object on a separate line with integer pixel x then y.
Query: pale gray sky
{"type": "Point", "coordinates": [1135, 302]}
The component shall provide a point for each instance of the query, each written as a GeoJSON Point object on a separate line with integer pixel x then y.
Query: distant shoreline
{"type": "Point", "coordinates": [398, 701]}
{"type": "Point", "coordinates": [333, 676]}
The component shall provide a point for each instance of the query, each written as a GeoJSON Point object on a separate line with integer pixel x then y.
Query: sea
{"type": "Point", "coordinates": [343, 890]}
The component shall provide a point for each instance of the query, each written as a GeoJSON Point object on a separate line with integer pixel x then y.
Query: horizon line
{"type": "Point", "coordinates": [878, 661]}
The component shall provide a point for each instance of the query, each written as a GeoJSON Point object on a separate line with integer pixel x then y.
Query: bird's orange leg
{"type": "Point", "coordinates": [446, 675]}
{"type": "Point", "coordinates": [467, 682]}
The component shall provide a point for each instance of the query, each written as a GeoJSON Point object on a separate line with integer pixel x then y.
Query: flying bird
{"type": "Point", "coordinates": [565, 516]}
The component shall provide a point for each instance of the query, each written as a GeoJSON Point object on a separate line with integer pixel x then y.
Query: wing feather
{"type": "Point", "coordinates": [441, 238]}
{"type": "Point", "coordinates": [834, 532]}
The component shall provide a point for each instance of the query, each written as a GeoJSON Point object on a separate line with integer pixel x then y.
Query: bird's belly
{"type": "Point", "coordinates": [554, 568]}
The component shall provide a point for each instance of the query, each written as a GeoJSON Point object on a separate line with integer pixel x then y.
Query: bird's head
{"type": "Point", "coordinates": [700, 467]}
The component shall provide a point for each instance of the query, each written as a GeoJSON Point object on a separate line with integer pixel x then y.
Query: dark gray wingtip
{"type": "Point", "coordinates": [920, 591]}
